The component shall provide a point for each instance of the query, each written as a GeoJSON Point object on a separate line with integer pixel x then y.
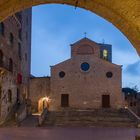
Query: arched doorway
{"type": "Point", "coordinates": [43, 103]}
{"type": "Point", "coordinates": [117, 13]}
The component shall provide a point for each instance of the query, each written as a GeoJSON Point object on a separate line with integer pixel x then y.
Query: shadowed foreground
{"type": "Point", "coordinates": [65, 133]}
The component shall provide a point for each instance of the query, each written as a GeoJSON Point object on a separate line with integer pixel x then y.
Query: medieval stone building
{"type": "Point", "coordinates": [88, 80]}
{"type": "Point", "coordinates": [15, 38]}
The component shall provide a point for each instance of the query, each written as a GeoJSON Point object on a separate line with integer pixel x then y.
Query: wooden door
{"type": "Point", "coordinates": [64, 100]}
{"type": "Point", "coordinates": [105, 101]}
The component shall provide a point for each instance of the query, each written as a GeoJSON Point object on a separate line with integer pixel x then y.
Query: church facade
{"type": "Point", "coordinates": [88, 80]}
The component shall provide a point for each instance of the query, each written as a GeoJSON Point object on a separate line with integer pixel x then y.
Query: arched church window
{"type": "Point", "coordinates": [19, 50]}
{"type": "Point", "coordinates": [10, 65]}
{"type": "Point", "coordinates": [20, 34]}
{"type": "Point", "coordinates": [9, 95]}
{"type": "Point", "coordinates": [105, 54]}
{"type": "Point", "coordinates": [61, 74]}
{"type": "Point", "coordinates": [85, 66]}
{"type": "Point", "coordinates": [2, 28]}
{"type": "Point", "coordinates": [109, 74]}
{"type": "Point", "coordinates": [1, 57]}
{"type": "Point", "coordinates": [11, 38]}
{"type": "Point", "coordinates": [0, 92]}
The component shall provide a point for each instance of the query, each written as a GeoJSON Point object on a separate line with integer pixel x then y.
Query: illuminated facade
{"type": "Point", "coordinates": [88, 79]}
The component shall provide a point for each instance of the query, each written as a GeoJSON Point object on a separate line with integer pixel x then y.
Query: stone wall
{"type": "Point", "coordinates": [8, 80]}
{"type": "Point", "coordinates": [39, 88]}
{"type": "Point", "coordinates": [21, 65]}
{"type": "Point", "coordinates": [86, 85]}
{"type": "Point", "coordinates": [85, 89]}
{"type": "Point", "coordinates": [5, 106]}
{"type": "Point", "coordinates": [26, 50]}
{"type": "Point", "coordinates": [82, 50]}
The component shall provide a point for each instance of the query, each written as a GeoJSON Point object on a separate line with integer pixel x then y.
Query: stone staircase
{"type": "Point", "coordinates": [30, 121]}
{"type": "Point", "coordinates": [90, 118]}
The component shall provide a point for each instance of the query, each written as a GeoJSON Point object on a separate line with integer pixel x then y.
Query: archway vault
{"type": "Point", "coordinates": [124, 14]}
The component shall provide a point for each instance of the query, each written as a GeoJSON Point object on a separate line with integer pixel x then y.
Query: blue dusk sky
{"type": "Point", "coordinates": [55, 27]}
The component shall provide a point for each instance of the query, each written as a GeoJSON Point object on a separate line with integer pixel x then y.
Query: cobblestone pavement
{"type": "Point", "coordinates": [68, 133]}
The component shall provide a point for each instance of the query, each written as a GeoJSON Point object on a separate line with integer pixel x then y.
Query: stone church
{"type": "Point", "coordinates": [88, 80]}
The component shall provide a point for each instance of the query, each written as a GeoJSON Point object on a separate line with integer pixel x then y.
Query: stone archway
{"type": "Point", "coordinates": [43, 103]}
{"type": "Point", "coordinates": [123, 14]}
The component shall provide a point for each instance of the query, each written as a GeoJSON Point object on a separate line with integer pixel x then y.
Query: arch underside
{"type": "Point", "coordinates": [125, 15]}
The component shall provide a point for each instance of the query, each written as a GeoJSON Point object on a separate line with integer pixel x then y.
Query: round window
{"type": "Point", "coordinates": [109, 74]}
{"type": "Point", "coordinates": [85, 66]}
{"type": "Point", "coordinates": [61, 74]}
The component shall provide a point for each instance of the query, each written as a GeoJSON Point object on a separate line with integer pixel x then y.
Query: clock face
{"type": "Point", "coordinates": [85, 66]}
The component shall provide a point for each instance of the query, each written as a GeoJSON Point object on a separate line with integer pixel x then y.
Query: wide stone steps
{"type": "Point", "coordinates": [30, 121]}
{"type": "Point", "coordinates": [91, 118]}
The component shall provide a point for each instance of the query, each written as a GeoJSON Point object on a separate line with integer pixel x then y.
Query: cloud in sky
{"type": "Point", "coordinates": [133, 69]}
{"type": "Point", "coordinates": [55, 27]}
{"type": "Point", "coordinates": [131, 75]}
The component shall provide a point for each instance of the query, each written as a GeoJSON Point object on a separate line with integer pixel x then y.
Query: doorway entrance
{"type": "Point", "coordinates": [64, 100]}
{"type": "Point", "coordinates": [105, 101]}
{"type": "Point", "coordinates": [43, 103]}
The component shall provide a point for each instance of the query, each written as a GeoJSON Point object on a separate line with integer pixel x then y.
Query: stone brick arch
{"type": "Point", "coordinates": [118, 12]}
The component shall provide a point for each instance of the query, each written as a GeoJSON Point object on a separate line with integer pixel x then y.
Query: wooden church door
{"type": "Point", "coordinates": [105, 101]}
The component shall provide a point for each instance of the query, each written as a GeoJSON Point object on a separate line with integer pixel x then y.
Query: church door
{"type": "Point", "coordinates": [64, 100]}
{"type": "Point", "coordinates": [105, 101]}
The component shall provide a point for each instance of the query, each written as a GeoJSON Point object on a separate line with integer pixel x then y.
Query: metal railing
{"type": "Point", "coordinates": [134, 116]}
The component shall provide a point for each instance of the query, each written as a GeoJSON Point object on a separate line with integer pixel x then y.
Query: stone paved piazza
{"type": "Point", "coordinates": [68, 133]}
